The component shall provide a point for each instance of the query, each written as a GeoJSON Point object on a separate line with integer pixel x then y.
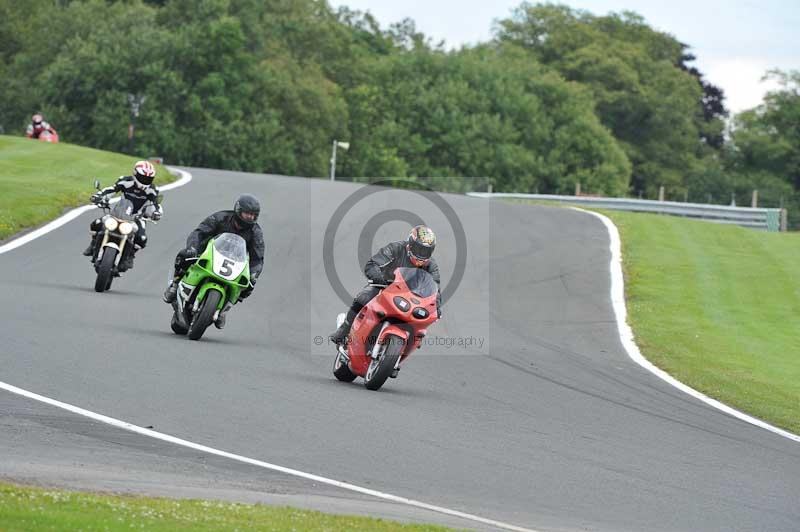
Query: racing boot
{"type": "Point", "coordinates": [88, 252]}
{"type": "Point", "coordinates": [171, 293]}
{"type": "Point", "coordinates": [219, 323]}
{"type": "Point", "coordinates": [126, 263]}
{"type": "Point", "coordinates": [339, 336]}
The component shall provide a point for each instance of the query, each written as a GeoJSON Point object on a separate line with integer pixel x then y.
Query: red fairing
{"type": "Point", "coordinates": [49, 135]}
{"type": "Point", "coordinates": [382, 310]}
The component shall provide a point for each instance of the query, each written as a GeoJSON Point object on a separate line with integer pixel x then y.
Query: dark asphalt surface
{"type": "Point", "coordinates": [546, 424]}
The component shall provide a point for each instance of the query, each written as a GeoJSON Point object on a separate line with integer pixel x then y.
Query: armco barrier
{"type": "Point", "coordinates": [764, 219]}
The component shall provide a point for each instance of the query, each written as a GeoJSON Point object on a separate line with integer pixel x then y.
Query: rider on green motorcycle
{"type": "Point", "coordinates": [241, 221]}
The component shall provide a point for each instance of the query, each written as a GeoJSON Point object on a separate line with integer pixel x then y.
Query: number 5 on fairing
{"type": "Point", "coordinates": [225, 270]}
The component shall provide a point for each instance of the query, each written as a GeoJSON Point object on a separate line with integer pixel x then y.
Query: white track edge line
{"type": "Point", "coordinates": [252, 461]}
{"type": "Point", "coordinates": [629, 343]}
{"type": "Point", "coordinates": [186, 177]}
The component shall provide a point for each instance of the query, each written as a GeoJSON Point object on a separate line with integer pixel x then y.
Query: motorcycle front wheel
{"type": "Point", "coordinates": [379, 370]}
{"type": "Point", "coordinates": [205, 315]}
{"type": "Point", "coordinates": [105, 270]}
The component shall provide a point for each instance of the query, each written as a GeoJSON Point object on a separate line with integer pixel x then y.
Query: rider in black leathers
{"type": "Point", "coordinates": [414, 252]}
{"type": "Point", "coordinates": [241, 221]}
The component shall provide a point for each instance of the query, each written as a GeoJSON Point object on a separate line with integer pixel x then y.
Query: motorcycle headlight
{"type": "Point", "coordinates": [401, 303]}
{"type": "Point", "coordinates": [420, 313]}
{"type": "Point", "coordinates": [125, 228]}
{"type": "Point", "coordinates": [110, 223]}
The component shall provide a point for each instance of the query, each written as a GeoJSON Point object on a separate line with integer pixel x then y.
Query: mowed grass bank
{"type": "Point", "coordinates": [38, 181]}
{"type": "Point", "coordinates": [27, 509]}
{"type": "Point", "coordinates": [718, 307]}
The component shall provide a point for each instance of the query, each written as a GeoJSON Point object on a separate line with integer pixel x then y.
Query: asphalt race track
{"type": "Point", "coordinates": [546, 424]}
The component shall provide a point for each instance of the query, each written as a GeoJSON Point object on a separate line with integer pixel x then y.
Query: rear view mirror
{"type": "Point", "coordinates": [97, 184]}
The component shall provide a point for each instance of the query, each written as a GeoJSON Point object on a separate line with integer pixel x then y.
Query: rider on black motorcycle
{"type": "Point", "coordinates": [139, 190]}
{"type": "Point", "coordinates": [241, 221]}
{"type": "Point", "coordinates": [416, 251]}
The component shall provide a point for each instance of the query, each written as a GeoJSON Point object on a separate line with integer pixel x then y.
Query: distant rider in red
{"type": "Point", "coordinates": [37, 127]}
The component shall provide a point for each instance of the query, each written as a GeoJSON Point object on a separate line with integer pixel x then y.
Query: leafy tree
{"type": "Point", "coordinates": [649, 104]}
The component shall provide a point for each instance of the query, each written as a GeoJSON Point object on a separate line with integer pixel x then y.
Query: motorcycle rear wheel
{"type": "Point", "coordinates": [176, 327]}
{"type": "Point", "coordinates": [341, 371]}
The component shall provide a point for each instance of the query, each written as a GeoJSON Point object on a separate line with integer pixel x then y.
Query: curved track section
{"type": "Point", "coordinates": [548, 426]}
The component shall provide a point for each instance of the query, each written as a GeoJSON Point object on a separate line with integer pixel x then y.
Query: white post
{"type": "Point", "coordinates": [333, 161]}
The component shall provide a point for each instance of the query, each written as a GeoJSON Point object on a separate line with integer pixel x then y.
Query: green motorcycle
{"type": "Point", "coordinates": [213, 281]}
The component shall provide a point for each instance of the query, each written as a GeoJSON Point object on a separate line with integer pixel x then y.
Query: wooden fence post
{"type": "Point", "coordinates": [661, 193]}
{"type": "Point", "coordinates": [578, 188]}
{"type": "Point", "coordinates": [754, 203]}
{"type": "Point", "coordinates": [784, 220]}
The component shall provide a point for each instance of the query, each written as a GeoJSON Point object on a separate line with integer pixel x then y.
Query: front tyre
{"type": "Point", "coordinates": [380, 369]}
{"type": "Point", "coordinates": [105, 270]}
{"type": "Point", "coordinates": [205, 315]}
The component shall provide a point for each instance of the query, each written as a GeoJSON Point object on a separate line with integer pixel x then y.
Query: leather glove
{"type": "Point", "coordinates": [96, 197]}
{"type": "Point", "coordinates": [156, 216]}
{"type": "Point", "coordinates": [187, 253]}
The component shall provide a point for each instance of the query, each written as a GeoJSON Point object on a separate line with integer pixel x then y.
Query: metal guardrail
{"type": "Point", "coordinates": [756, 218]}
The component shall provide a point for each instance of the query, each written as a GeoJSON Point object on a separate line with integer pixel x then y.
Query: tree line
{"type": "Point", "coordinates": [558, 96]}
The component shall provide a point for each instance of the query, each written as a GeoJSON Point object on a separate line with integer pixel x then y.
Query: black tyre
{"type": "Point", "coordinates": [177, 328]}
{"type": "Point", "coordinates": [341, 371]}
{"type": "Point", "coordinates": [105, 269]}
{"type": "Point", "coordinates": [380, 370]}
{"type": "Point", "coordinates": [205, 315]}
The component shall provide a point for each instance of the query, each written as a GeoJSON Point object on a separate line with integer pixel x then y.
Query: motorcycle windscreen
{"type": "Point", "coordinates": [230, 255]}
{"type": "Point", "coordinates": [123, 209]}
{"type": "Point", "coordinates": [419, 281]}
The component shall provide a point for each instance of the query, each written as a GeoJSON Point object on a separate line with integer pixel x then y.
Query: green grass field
{"type": "Point", "coordinates": [717, 307]}
{"type": "Point", "coordinates": [28, 509]}
{"type": "Point", "coordinates": [38, 181]}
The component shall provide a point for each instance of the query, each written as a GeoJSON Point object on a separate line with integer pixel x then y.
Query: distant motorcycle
{"type": "Point", "coordinates": [49, 136]}
{"type": "Point", "coordinates": [388, 329]}
{"type": "Point", "coordinates": [215, 279]}
{"type": "Point", "coordinates": [119, 227]}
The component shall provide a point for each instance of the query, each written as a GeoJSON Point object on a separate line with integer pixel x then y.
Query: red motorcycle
{"type": "Point", "coordinates": [49, 136]}
{"type": "Point", "coordinates": [388, 329]}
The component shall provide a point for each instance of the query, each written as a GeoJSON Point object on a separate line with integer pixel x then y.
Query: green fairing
{"type": "Point", "coordinates": [198, 275]}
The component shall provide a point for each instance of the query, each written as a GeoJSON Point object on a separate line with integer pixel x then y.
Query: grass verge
{"type": "Point", "coordinates": [26, 508]}
{"type": "Point", "coordinates": [718, 307]}
{"type": "Point", "coordinates": [38, 181]}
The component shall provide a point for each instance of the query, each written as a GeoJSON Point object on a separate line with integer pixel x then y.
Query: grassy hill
{"type": "Point", "coordinates": [39, 181]}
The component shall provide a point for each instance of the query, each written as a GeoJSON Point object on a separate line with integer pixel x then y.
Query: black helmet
{"type": "Point", "coordinates": [420, 246]}
{"type": "Point", "coordinates": [247, 209]}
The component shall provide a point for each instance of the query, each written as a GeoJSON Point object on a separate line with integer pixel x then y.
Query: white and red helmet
{"type": "Point", "coordinates": [37, 120]}
{"type": "Point", "coordinates": [143, 173]}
